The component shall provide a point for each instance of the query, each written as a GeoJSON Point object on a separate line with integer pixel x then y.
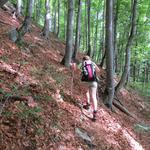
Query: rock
{"type": "Point", "coordinates": [13, 34]}
{"type": "Point", "coordinates": [83, 135]}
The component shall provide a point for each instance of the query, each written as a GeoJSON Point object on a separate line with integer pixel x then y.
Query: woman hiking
{"type": "Point", "coordinates": [89, 70]}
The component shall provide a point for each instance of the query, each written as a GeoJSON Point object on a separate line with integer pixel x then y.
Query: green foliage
{"type": "Point", "coordinates": [7, 113]}
{"type": "Point", "coordinates": [4, 58]}
{"type": "Point", "coordinates": [40, 131]}
{"type": "Point", "coordinates": [144, 89]}
{"type": "Point", "coordinates": [56, 75]}
{"type": "Point", "coordinates": [42, 97]}
{"type": "Point", "coordinates": [29, 113]}
{"type": "Point", "coordinates": [17, 90]}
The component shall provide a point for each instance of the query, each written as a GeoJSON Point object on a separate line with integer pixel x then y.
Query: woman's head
{"type": "Point", "coordinates": [86, 58]}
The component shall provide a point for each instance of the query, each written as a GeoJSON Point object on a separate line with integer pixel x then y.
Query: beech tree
{"type": "Point", "coordinates": [109, 46]}
{"type": "Point", "coordinates": [47, 19]}
{"type": "Point", "coordinates": [27, 21]}
{"type": "Point", "coordinates": [78, 24]}
{"type": "Point", "coordinates": [128, 46]}
{"type": "Point", "coordinates": [116, 8]}
{"type": "Point", "coordinates": [68, 50]}
{"type": "Point", "coordinates": [89, 27]}
{"type": "Point", "coordinates": [19, 9]}
{"type": "Point", "coordinates": [58, 28]}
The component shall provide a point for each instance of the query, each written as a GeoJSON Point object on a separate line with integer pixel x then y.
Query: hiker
{"type": "Point", "coordinates": [89, 71]}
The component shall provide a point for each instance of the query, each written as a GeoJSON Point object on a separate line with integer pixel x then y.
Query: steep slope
{"type": "Point", "coordinates": [41, 103]}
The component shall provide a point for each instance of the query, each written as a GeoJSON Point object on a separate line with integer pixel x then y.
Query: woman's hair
{"type": "Point", "coordinates": [86, 58]}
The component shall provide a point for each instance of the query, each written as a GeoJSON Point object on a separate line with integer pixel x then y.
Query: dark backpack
{"type": "Point", "coordinates": [88, 71]}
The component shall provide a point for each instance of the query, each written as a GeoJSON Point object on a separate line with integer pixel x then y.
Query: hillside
{"type": "Point", "coordinates": [40, 105]}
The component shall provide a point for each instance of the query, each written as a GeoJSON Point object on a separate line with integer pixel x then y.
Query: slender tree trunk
{"type": "Point", "coordinates": [134, 68]}
{"type": "Point", "coordinates": [58, 18]}
{"type": "Point", "coordinates": [68, 51]}
{"type": "Point", "coordinates": [19, 9]}
{"type": "Point", "coordinates": [102, 38]}
{"type": "Point", "coordinates": [129, 43]}
{"type": "Point", "coordinates": [103, 59]}
{"type": "Point", "coordinates": [147, 71]}
{"type": "Point", "coordinates": [38, 10]}
{"type": "Point", "coordinates": [109, 46]}
{"type": "Point", "coordinates": [47, 19]}
{"type": "Point", "coordinates": [85, 27]}
{"type": "Point", "coordinates": [27, 22]}
{"type": "Point", "coordinates": [55, 17]}
{"type": "Point", "coordinates": [65, 3]}
{"type": "Point", "coordinates": [95, 37]}
{"type": "Point", "coordinates": [115, 34]}
{"type": "Point", "coordinates": [89, 27]}
{"type": "Point", "coordinates": [78, 28]}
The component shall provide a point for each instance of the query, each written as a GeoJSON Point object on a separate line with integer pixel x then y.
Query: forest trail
{"type": "Point", "coordinates": [38, 110]}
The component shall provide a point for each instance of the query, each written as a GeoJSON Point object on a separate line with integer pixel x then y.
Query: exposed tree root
{"type": "Point", "coordinates": [122, 108]}
{"type": "Point", "coordinates": [116, 98]}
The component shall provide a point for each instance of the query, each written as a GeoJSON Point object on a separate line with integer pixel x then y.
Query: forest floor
{"type": "Point", "coordinates": [40, 107]}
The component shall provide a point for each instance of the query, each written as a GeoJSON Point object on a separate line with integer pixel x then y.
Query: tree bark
{"type": "Point", "coordinates": [95, 37]}
{"type": "Point", "coordinates": [47, 19]}
{"type": "Point", "coordinates": [65, 6]}
{"type": "Point", "coordinates": [19, 7]}
{"type": "Point", "coordinates": [115, 34]}
{"type": "Point", "coordinates": [58, 27]}
{"type": "Point", "coordinates": [85, 28]}
{"type": "Point", "coordinates": [26, 24]}
{"type": "Point", "coordinates": [38, 11]}
{"type": "Point", "coordinates": [129, 43]}
{"type": "Point", "coordinates": [68, 50]}
{"type": "Point", "coordinates": [102, 38]}
{"type": "Point", "coordinates": [109, 46]}
{"type": "Point", "coordinates": [89, 27]}
{"type": "Point", "coordinates": [55, 17]}
{"type": "Point", "coordinates": [78, 28]}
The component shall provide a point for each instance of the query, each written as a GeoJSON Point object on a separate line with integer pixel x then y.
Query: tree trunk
{"type": "Point", "coordinates": [102, 39]}
{"type": "Point", "coordinates": [58, 18]}
{"type": "Point", "coordinates": [68, 50]}
{"type": "Point", "coordinates": [85, 27]}
{"type": "Point", "coordinates": [89, 27]}
{"type": "Point", "coordinates": [95, 37]}
{"type": "Point", "coordinates": [55, 17]}
{"type": "Point", "coordinates": [78, 27]}
{"type": "Point", "coordinates": [2, 2]}
{"type": "Point", "coordinates": [19, 9]}
{"type": "Point", "coordinates": [65, 4]}
{"type": "Point", "coordinates": [115, 34]}
{"type": "Point", "coordinates": [103, 59]}
{"type": "Point", "coordinates": [38, 11]}
{"type": "Point", "coordinates": [26, 24]}
{"type": "Point", "coordinates": [147, 71]}
{"type": "Point", "coordinates": [47, 19]}
{"type": "Point", "coordinates": [109, 52]}
{"type": "Point", "coordinates": [129, 43]}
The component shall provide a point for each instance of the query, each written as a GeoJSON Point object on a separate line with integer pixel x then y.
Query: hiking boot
{"type": "Point", "coordinates": [94, 115]}
{"type": "Point", "coordinates": [87, 106]}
